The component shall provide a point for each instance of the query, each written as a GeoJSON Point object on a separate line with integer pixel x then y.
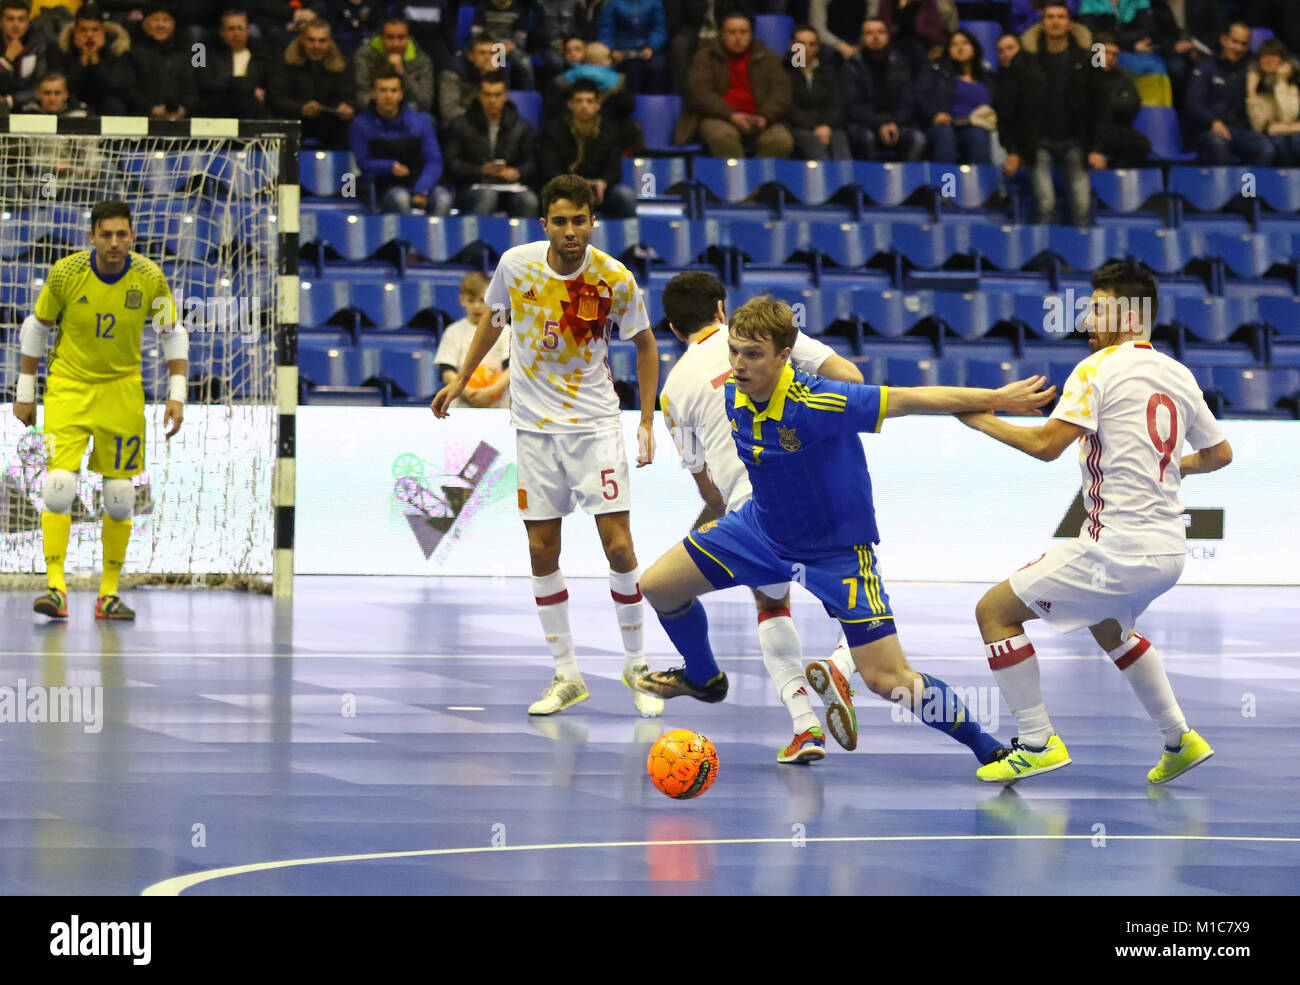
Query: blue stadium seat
{"type": "Point", "coordinates": [892, 314]}
{"type": "Point", "coordinates": [464, 25]}
{"type": "Point", "coordinates": [776, 31]}
{"type": "Point", "coordinates": [1127, 189]}
{"type": "Point", "coordinates": [321, 300]}
{"type": "Point", "coordinates": [440, 238]}
{"type": "Point", "coordinates": [1279, 187]}
{"type": "Point", "coordinates": [843, 242]}
{"type": "Point", "coordinates": [356, 235]}
{"type": "Point", "coordinates": [333, 366]}
{"type": "Point", "coordinates": [810, 315]}
{"type": "Point", "coordinates": [1160, 124]}
{"type": "Point", "coordinates": [1256, 391]}
{"type": "Point", "coordinates": [1208, 189]}
{"type": "Point", "coordinates": [972, 315]}
{"type": "Point", "coordinates": [529, 104]}
{"type": "Point", "coordinates": [392, 305]}
{"type": "Point", "coordinates": [192, 236]}
{"type": "Point", "coordinates": [1212, 319]}
{"type": "Point", "coordinates": [676, 241]}
{"type": "Point", "coordinates": [814, 182]}
{"type": "Point", "coordinates": [1009, 247]}
{"type": "Point", "coordinates": [1166, 251]}
{"type": "Point", "coordinates": [1282, 314]}
{"type": "Point", "coordinates": [615, 236]}
{"type": "Point", "coordinates": [321, 171]}
{"type": "Point", "coordinates": [657, 116]}
{"type": "Point", "coordinates": [972, 185]}
{"type": "Point", "coordinates": [991, 374]}
{"type": "Point", "coordinates": [1252, 254]}
{"type": "Point", "coordinates": [655, 177]}
{"type": "Point", "coordinates": [766, 241]}
{"type": "Point", "coordinates": [986, 33]}
{"type": "Point", "coordinates": [911, 372]}
{"type": "Point", "coordinates": [929, 246]}
{"type": "Point", "coordinates": [622, 359]}
{"type": "Point", "coordinates": [1088, 248]}
{"type": "Point", "coordinates": [890, 183]}
{"type": "Point", "coordinates": [412, 369]}
{"type": "Point", "coordinates": [734, 179]}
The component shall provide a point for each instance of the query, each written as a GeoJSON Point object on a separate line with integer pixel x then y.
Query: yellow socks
{"type": "Point", "coordinates": [55, 528]}
{"type": "Point", "coordinates": [116, 535]}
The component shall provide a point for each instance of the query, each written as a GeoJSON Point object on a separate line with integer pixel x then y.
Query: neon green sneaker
{"type": "Point", "coordinates": [1023, 762]}
{"type": "Point", "coordinates": [559, 694]}
{"type": "Point", "coordinates": [806, 747]}
{"type": "Point", "coordinates": [1193, 751]}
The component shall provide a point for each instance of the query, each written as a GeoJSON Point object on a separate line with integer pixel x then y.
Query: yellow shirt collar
{"type": "Point", "coordinates": [775, 405]}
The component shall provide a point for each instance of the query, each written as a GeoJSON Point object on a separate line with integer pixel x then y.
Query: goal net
{"type": "Point", "coordinates": [207, 208]}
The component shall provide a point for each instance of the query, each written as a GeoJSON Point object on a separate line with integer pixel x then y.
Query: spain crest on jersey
{"type": "Point", "coordinates": [588, 307]}
{"type": "Point", "coordinates": [134, 298]}
{"type": "Point", "coordinates": [789, 440]}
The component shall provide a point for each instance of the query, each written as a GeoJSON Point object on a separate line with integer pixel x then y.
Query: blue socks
{"type": "Point", "coordinates": [942, 709]}
{"type": "Point", "coordinates": [688, 628]}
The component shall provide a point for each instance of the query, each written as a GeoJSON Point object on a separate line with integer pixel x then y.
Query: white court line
{"type": "Point", "coordinates": [353, 655]}
{"type": "Point", "coordinates": [178, 884]}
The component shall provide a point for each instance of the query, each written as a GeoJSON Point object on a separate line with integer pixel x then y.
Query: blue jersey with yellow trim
{"type": "Point", "coordinates": [812, 491]}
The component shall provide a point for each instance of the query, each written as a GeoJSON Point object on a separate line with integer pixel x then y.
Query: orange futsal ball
{"type": "Point", "coordinates": [483, 376]}
{"type": "Point", "coordinates": [682, 764]}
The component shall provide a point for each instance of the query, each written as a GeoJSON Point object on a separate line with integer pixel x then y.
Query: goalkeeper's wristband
{"type": "Point", "coordinates": [178, 388]}
{"type": "Point", "coordinates": [26, 393]}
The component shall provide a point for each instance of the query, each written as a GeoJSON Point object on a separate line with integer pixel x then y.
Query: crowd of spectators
{"type": "Point", "coordinates": [432, 123]}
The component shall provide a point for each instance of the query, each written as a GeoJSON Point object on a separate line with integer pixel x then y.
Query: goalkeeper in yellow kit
{"type": "Point", "coordinates": [100, 300]}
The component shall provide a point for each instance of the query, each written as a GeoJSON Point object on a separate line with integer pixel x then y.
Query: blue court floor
{"type": "Point", "coordinates": [374, 733]}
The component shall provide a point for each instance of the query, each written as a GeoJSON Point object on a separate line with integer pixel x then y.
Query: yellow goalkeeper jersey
{"type": "Point", "coordinates": [101, 319]}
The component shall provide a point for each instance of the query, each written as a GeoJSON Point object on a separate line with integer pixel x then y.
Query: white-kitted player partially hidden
{"type": "Point", "coordinates": [562, 299]}
{"type": "Point", "coordinates": [1130, 408]}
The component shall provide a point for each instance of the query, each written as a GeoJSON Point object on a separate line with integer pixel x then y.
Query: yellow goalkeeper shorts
{"type": "Point", "coordinates": [111, 413]}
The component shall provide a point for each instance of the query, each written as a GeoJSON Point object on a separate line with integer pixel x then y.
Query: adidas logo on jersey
{"type": "Point", "coordinates": [1045, 606]}
{"type": "Point", "coordinates": [530, 295]}
{"type": "Point", "coordinates": [83, 300]}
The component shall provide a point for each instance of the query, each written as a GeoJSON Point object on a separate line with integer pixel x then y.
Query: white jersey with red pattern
{"type": "Point", "coordinates": [1138, 407]}
{"type": "Point", "coordinates": [560, 327]}
{"type": "Point", "coordinates": [694, 405]}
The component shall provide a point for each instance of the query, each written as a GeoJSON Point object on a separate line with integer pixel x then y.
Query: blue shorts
{"type": "Point", "coordinates": [735, 551]}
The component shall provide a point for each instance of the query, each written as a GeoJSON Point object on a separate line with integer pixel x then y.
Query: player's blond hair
{"type": "Point", "coordinates": [765, 318]}
{"type": "Point", "coordinates": [474, 283]}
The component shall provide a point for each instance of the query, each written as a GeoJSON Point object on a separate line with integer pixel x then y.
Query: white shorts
{"type": "Point", "coordinates": [1075, 585]}
{"type": "Point", "coordinates": [559, 471]}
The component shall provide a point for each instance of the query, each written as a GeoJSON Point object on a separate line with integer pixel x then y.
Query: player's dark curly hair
{"type": "Point", "coordinates": [568, 186]}
{"type": "Point", "coordinates": [112, 209]}
{"type": "Point", "coordinates": [1131, 279]}
{"type": "Point", "coordinates": [691, 301]}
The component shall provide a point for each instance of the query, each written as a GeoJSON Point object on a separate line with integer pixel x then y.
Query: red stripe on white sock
{"type": "Point", "coordinates": [552, 599]}
{"type": "Point", "coordinates": [625, 599]}
{"type": "Point", "coordinates": [767, 614]}
{"type": "Point", "coordinates": [1005, 653]}
{"type": "Point", "coordinates": [1137, 645]}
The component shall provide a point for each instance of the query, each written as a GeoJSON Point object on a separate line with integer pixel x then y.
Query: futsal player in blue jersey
{"type": "Point", "coordinates": [811, 518]}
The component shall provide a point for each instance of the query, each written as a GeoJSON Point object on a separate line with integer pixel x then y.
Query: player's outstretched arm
{"type": "Point", "coordinates": [647, 376]}
{"type": "Point", "coordinates": [494, 319]}
{"type": "Point", "coordinates": [1022, 397]}
{"type": "Point", "coordinates": [1044, 443]}
{"type": "Point", "coordinates": [32, 342]}
{"type": "Point", "coordinates": [1206, 460]}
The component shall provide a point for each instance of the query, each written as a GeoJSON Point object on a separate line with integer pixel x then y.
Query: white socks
{"type": "Point", "coordinates": [783, 657]}
{"type": "Point", "coordinates": [553, 610]}
{"type": "Point", "coordinates": [625, 588]}
{"type": "Point", "coordinates": [842, 658]}
{"type": "Point", "coordinates": [1141, 665]}
{"type": "Point", "coordinates": [1015, 670]}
